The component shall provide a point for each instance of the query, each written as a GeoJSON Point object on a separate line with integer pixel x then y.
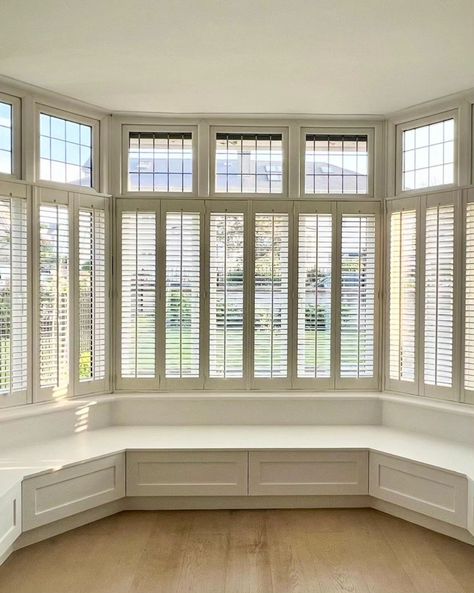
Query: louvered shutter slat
{"type": "Point", "coordinates": [314, 295]}
{"type": "Point", "coordinates": [138, 294]}
{"type": "Point", "coordinates": [271, 295]}
{"type": "Point", "coordinates": [226, 295]}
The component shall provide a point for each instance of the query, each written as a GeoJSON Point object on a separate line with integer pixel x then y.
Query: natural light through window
{"type": "Point", "coordinates": [65, 151]}
{"type": "Point", "coordinates": [428, 155]}
{"type": "Point", "coordinates": [336, 164]}
{"type": "Point", "coordinates": [249, 163]}
{"type": "Point", "coordinates": [6, 138]}
{"type": "Point", "coordinates": [160, 162]}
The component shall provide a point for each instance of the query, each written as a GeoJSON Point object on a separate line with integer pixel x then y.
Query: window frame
{"type": "Point", "coordinates": [15, 103]}
{"type": "Point", "coordinates": [353, 383]}
{"type": "Point", "coordinates": [126, 129]}
{"type": "Point", "coordinates": [319, 384]}
{"type": "Point", "coordinates": [417, 123]}
{"type": "Point", "coordinates": [95, 385]}
{"type": "Point", "coordinates": [129, 383]}
{"type": "Point", "coordinates": [94, 124]}
{"type": "Point", "coordinates": [173, 383]}
{"type": "Point", "coordinates": [218, 383]}
{"type": "Point", "coordinates": [240, 129]}
{"type": "Point", "coordinates": [23, 192]}
{"type": "Point", "coordinates": [393, 206]}
{"type": "Point", "coordinates": [339, 131]}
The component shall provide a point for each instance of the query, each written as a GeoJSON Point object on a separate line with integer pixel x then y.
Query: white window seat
{"type": "Point", "coordinates": [98, 465]}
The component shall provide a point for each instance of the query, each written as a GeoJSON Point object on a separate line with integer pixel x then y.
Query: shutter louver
{"type": "Point", "coordinates": [54, 296]}
{"type": "Point", "coordinates": [138, 294]}
{"type": "Point", "coordinates": [314, 295]}
{"type": "Point", "coordinates": [357, 295]}
{"type": "Point", "coordinates": [91, 294]}
{"type": "Point", "coordinates": [402, 295]}
{"type": "Point", "coordinates": [182, 294]}
{"type": "Point", "coordinates": [271, 295]}
{"type": "Point", "coordinates": [439, 296]}
{"type": "Point", "coordinates": [226, 295]}
{"type": "Point", "coordinates": [13, 296]}
{"type": "Point", "coordinates": [469, 301]}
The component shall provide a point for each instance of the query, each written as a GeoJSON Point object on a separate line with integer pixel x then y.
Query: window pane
{"type": "Point", "coordinates": [439, 295]}
{"type": "Point", "coordinates": [402, 295]}
{"type": "Point", "coordinates": [6, 123]}
{"type": "Point", "coordinates": [182, 294]}
{"type": "Point", "coordinates": [249, 163]}
{"type": "Point", "coordinates": [433, 158]}
{"type": "Point", "coordinates": [336, 164]}
{"type": "Point", "coordinates": [226, 294]}
{"type": "Point", "coordinates": [54, 296]}
{"type": "Point", "coordinates": [271, 295]}
{"type": "Point", "coordinates": [138, 294]}
{"type": "Point", "coordinates": [314, 295]}
{"type": "Point", "coordinates": [13, 296]}
{"type": "Point", "coordinates": [357, 295]}
{"type": "Point", "coordinates": [160, 162]}
{"type": "Point", "coordinates": [92, 298]}
{"type": "Point", "coordinates": [65, 142]}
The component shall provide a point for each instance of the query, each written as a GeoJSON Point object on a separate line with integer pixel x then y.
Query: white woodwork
{"type": "Point", "coordinates": [427, 490]}
{"type": "Point", "coordinates": [59, 494]}
{"type": "Point", "coordinates": [308, 472]}
{"type": "Point", "coordinates": [186, 473]}
{"type": "Point", "coordinates": [10, 519]}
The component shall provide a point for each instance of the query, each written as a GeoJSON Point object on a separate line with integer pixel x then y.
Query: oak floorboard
{"type": "Point", "coordinates": [244, 551]}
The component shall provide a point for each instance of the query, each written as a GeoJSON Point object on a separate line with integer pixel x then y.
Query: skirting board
{"type": "Point", "coordinates": [149, 503]}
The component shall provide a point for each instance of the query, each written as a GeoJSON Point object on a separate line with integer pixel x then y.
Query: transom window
{"type": "Point", "coordinates": [160, 161]}
{"type": "Point", "coordinates": [65, 151]}
{"type": "Point", "coordinates": [336, 164]}
{"type": "Point", "coordinates": [428, 155]}
{"type": "Point", "coordinates": [249, 163]}
{"type": "Point", "coordinates": [6, 142]}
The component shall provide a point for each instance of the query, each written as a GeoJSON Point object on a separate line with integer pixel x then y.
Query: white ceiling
{"type": "Point", "coordinates": [242, 56]}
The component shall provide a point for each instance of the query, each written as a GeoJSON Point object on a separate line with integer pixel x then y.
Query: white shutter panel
{"type": "Point", "coordinates": [226, 295]}
{"type": "Point", "coordinates": [439, 296]}
{"type": "Point", "coordinates": [271, 296]}
{"type": "Point", "coordinates": [13, 297]}
{"type": "Point", "coordinates": [138, 294]}
{"type": "Point", "coordinates": [182, 294]}
{"type": "Point", "coordinates": [92, 295]}
{"type": "Point", "coordinates": [402, 304]}
{"type": "Point", "coordinates": [54, 296]}
{"type": "Point", "coordinates": [314, 295]}
{"type": "Point", "coordinates": [469, 301]}
{"type": "Point", "coordinates": [357, 312]}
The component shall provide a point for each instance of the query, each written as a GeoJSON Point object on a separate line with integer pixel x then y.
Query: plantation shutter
{"type": "Point", "coordinates": [271, 296]}
{"type": "Point", "coordinates": [469, 300]}
{"type": "Point", "coordinates": [226, 295]}
{"type": "Point", "coordinates": [138, 294]}
{"type": "Point", "coordinates": [183, 294]}
{"type": "Point", "coordinates": [402, 299]}
{"type": "Point", "coordinates": [54, 294]}
{"type": "Point", "coordinates": [13, 300]}
{"type": "Point", "coordinates": [314, 322]}
{"type": "Point", "coordinates": [357, 295]}
{"type": "Point", "coordinates": [92, 294]}
{"type": "Point", "coordinates": [439, 296]}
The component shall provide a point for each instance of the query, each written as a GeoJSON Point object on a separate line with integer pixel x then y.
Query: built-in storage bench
{"type": "Point", "coordinates": [308, 472]}
{"type": "Point", "coordinates": [10, 518]}
{"type": "Point", "coordinates": [431, 491]}
{"type": "Point", "coordinates": [59, 494]}
{"type": "Point", "coordinates": [186, 473]}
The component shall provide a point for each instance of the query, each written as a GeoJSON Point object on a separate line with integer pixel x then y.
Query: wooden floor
{"type": "Point", "coordinates": [284, 551]}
